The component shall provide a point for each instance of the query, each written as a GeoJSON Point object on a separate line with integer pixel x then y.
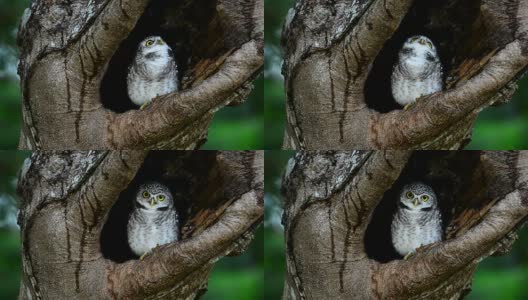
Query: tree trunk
{"type": "Point", "coordinates": [74, 60]}
{"type": "Point", "coordinates": [74, 209]}
{"type": "Point", "coordinates": [339, 57]}
{"type": "Point", "coordinates": [338, 208]}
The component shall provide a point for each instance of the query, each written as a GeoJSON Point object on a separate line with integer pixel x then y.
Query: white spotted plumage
{"type": "Point", "coordinates": [154, 220]}
{"type": "Point", "coordinates": [418, 71]}
{"type": "Point", "coordinates": [153, 72]}
{"type": "Point", "coordinates": [417, 221]}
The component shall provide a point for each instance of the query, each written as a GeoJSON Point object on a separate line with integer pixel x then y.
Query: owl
{"type": "Point", "coordinates": [153, 72]}
{"type": "Point", "coordinates": [417, 220]}
{"type": "Point", "coordinates": [154, 220]}
{"type": "Point", "coordinates": [418, 71]}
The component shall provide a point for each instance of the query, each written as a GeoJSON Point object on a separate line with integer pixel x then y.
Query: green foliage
{"type": "Point", "coordinates": [10, 264]}
{"type": "Point", "coordinates": [274, 114]}
{"type": "Point", "coordinates": [240, 277]}
{"type": "Point", "coordinates": [239, 127]}
{"type": "Point", "coordinates": [274, 264]}
{"type": "Point", "coordinates": [10, 114]}
{"type": "Point", "coordinates": [274, 259]}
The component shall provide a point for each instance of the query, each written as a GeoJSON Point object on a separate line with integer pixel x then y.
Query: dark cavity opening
{"type": "Point", "coordinates": [186, 175]}
{"type": "Point", "coordinates": [190, 28]}
{"type": "Point", "coordinates": [449, 174]}
{"type": "Point", "coordinates": [456, 28]}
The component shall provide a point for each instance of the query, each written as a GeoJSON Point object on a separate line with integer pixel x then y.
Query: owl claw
{"type": "Point", "coordinates": [406, 257]}
{"type": "Point", "coordinates": [406, 107]}
{"type": "Point", "coordinates": [143, 106]}
{"type": "Point", "coordinates": [144, 254]}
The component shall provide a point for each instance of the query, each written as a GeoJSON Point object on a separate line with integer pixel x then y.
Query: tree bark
{"type": "Point", "coordinates": [339, 57]}
{"type": "Point", "coordinates": [74, 208]}
{"type": "Point", "coordinates": [74, 59]}
{"type": "Point", "coordinates": [338, 208]}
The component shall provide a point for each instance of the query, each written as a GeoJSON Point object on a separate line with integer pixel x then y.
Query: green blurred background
{"type": "Point", "coordinates": [501, 128]}
{"type": "Point", "coordinates": [504, 277]}
{"type": "Point", "coordinates": [236, 278]}
{"type": "Point", "coordinates": [233, 128]}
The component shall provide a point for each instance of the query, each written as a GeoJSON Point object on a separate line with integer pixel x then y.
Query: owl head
{"type": "Point", "coordinates": [419, 47]}
{"type": "Point", "coordinates": [154, 47]}
{"type": "Point", "coordinates": [417, 197]}
{"type": "Point", "coordinates": [153, 196]}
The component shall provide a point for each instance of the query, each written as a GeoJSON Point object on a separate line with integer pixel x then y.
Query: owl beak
{"type": "Point", "coordinates": [160, 42]}
{"type": "Point", "coordinates": [152, 202]}
{"type": "Point", "coordinates": [421, 41]}
{"type": "Point", "coordinates": [415, 202]}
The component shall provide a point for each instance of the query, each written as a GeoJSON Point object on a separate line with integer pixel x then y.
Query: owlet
{"type": "Point", "coordinates": [417, 221]}
{"type": "Point", "coordinates": [153, 72]}
{"type": "Point", "coordinates": [154, 220]}
{"type": "Point", "coordinates": [418, 71]}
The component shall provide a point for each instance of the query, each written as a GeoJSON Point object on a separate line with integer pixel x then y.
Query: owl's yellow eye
{"type": "Point", "coordinates": [146, 194]}
{"type": "Point", "coordinates": [149, 43]}
{"type": "Point", "coordinates": [425, 198]}
{"type": "Point", "coordinates": [430, 45]}
{"type": "Point", "coordinates": [409, 195]}
{"type": "Point", "coordinates": [161, 198]}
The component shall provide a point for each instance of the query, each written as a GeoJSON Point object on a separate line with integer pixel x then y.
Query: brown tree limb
{"type": "Point", "coordinates": [339, 56]}
{"type": "Point", "coordinates": [168, 114]}
{"type": "Point", "coordinates": [113, 24]}
{"type": "Point", "coordinates": [170, 263]}
{"type": "Point", "coordinates": [440, 261]}
{"type": "Point", "coordinates": [92, 203]}
{"type": "Point", "coordinates": [67, 196]}
{"type": "Point", "coordinates": [66, 103]}
{"type": "Point", "coordinates": [360, 45]}
{"type": "Point", "coordinates": [361, 196]}
{"type": "Point", "coordinates": [329, 256]}
{"type": "Point", "coordinates": [433, 115]}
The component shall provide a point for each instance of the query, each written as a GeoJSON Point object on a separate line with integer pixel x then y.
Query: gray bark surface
{"type": "Point", "coordinates": [71, 204]}
{"type": "Point", "coordinates": [336, 201]}
{"type": "Point", "coordinates": [338, 56]}
{"type": "Point", "coordinates": [67, 49]}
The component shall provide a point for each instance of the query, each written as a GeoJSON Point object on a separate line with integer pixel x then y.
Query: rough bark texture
{"type": "Point", "coordinates": [339, 56]}
{"type": "Point", "coordinates": [73, 214]}
{"type": "Point", "coordinates": [338, 208]}
{"type": "Point", "coordinates": [74, 58]}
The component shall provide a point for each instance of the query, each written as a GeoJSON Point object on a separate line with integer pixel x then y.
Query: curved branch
{"type": "Point", "coordinates": [170, 113]}
{"type": "Point", "coordinates": [366, 190]}
{"type": "Point", "coordinates": [375, 27]}
{"type": "Point", "coordinates": [103, 38]}
{"type": "Point", "coordinates": [95, 198]}
{"type": "Point", "coordinates": [170, 263]}
{"type": "Point", "coordinates": [435, 264]}
{"type": "Point", "coordinates": [432, 115]}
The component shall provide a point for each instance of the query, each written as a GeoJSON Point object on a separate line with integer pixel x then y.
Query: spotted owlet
{"type": "Point", "coordinates": [418, 71]}
{"type": "Point", "coordinates": [417, 221]}
{"type": "Point", "coordinates": [153, 72]}
{"type": "Point", "coordinates": [154, 220]}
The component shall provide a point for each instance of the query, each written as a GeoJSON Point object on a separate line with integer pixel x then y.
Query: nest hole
{"type": "Point", "coordinates": [188, 176]}
{"type": "Point", "coordinates": [458, 29]}
{"type": "Point", "coordinates": [452, 175]}
{"type": "Point", "coordinates": [192, 29]}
